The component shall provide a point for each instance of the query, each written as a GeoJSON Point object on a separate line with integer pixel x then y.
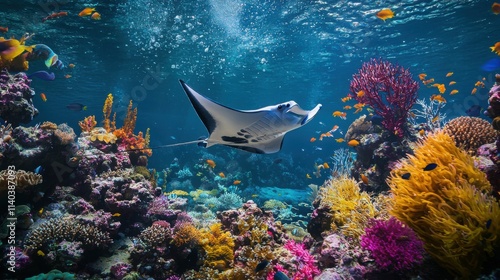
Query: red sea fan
{"type": "Point", "coordinates": [392, 245]}
{"type": "Point", "coordinates": [389, 89]}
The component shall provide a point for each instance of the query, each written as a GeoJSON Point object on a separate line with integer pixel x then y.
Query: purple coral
{"type": "Point", "coordinates": [304, 261]}
{"type": "Point", "coordinates": [389, 89]}
{"type": "Point", "coordinates": [16, 104]}
{"type": "Point", "coordinates": [392, 245]}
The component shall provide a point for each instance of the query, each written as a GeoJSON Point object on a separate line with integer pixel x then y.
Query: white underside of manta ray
{"type": "Point", "coordinates": [257, 131]}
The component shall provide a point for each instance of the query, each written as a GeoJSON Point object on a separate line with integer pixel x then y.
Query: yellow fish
{"type": "Point", "coordinates": [339, 140]}
{"type": "Point", "coordinates": [40, 253]}
{"type": "Point", "coordinates": [40, 212]}
{"type": "Point", "coordinates": [452, 83]}
{"type": "Point", "coordinates": [86, 12]}
{"type": "Point", "coordinates": [474, 90]}
{"type": "Point", "coordinates": [449, 74]}
{"type": "Point", "coordinates": [308, 176]}
{"type": "Point", "coordinates": [385, 14]}
{"type": "Point", "coordinates": [116, 215]}
{"type": "Point", "coordinates": [453, 92]}
{"type": "Point", "coordinates": [325, 165]}
{"type": "Point", "coordinates": [353, 143]}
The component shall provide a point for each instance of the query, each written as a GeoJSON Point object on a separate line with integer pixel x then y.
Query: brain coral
{"type": "Point", "coordinates": [470, 133]}
{"type": "Point", "coordinates": [449, 207]}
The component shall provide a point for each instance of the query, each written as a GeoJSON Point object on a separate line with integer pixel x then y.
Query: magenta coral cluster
{"type": "Point", "coordinates": [304, 262]}
{"type": "Point", "coordinates": [392, 245]}
{"type": "Point", "coordinates": [16, 104]}
{"type": "Point", "coordinates": [389, 89]}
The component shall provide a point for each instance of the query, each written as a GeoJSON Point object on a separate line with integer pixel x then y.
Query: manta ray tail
{"type": "Point", "coordinates": [199, 142]}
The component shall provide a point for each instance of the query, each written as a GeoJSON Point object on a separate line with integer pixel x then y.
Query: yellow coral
{"type": "Point", "coordinates": [350, 208]}
{"type": "Point", "coordinates": [178, 192]}
{"type": "Point", "coordinates": [449, 207]}
{"type": "Point", "coordinates": [186, 234]}
{"type": "Point", "coordinates": [98, 134]}
{"type": "Point", "coordinates": [218, 246]}
{"type": "Point", "coordinates": [106, 110]}
{"type": "Point", "coordinates": [130, 119]}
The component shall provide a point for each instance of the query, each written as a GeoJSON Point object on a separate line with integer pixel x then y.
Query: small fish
{"type": "Point", "coordinates": [280, 276]}
{"type": "Point", "coordinates": [312, 140]}
{"type": "Point", "coordinates": [452, 83]}
{"type": "Point", "coordinates": [479, 84]}
{"type": "Point", "coordinates": [71, 65]}
{"type": "Point", "coordinates": [426, 82]}
{"type": "Point", "coordinates": [496, 48]}
{"type": "Point", "coordinates": [55, 15]}
{"type": "Point", "coordinates": [474, 111]}
{"type": "Point", "coordinates": [342, 115]}
{"type": "Point", "coordinates": [422, 76]}
{"type": "Point", "coordinates": [260, 266]}
{"type": "Point", "coordinates": [4, 29]}
{"type": "Point", "coordinates": [308, 176]}
{"type": "Point", "coordinates": [441, 88]}
{"type": "Point", "coordinates": [435, 119]}
{"type": "Point", "coordinates": [334, 128]}
{"type": "Point", "coordinates": [364, 179]}
{"type": "Point", "coordinates": [40, 212]}
{"type": "Point", "coordinates": [222, 175]}
{"type": "Point", "coordinates": [430, 166]}
{"type": "Point", "coordinates": [474, 90]}
{"type": "Point", "coordinates": [449, 74]}
{"type": "Point", "coordinates": [67, 76]}
{"type": "Point", "coordinates": [421, 132]}
{"type": "Point", "coordinates": [385, 14]}
{"type": "Point", "coordinates": [86, 12]}
{"type": "Point", "coordinates": [116, 215]}
{"type": "Point", "coordinates": [406, 176]}
{"type": "Point", "coordinates": [255, 195]}
{"type": "Point", "coordinates": [360, 93]}
{"type": "Point", "coordinates": [353, 143]}
{"type": "Point", "coordinates": [210, 163]}
{"type": "Point", "coordinates": [40, 253]}
{"type": "Point", "coordinates": [236, 182]}
{"type": "Point", "coordinates": [347, 107]}
{"type": "Point", "coordinates": [38, 170]}
{"type": "Point", "coordinates": [453, 92]}
{"type": "Point", "coordinates": [43, 97]}
{"type": "Point", "coordinates": [438, 98]}
{"type": "Point", "coordinates": [77, 107]}
{"type": "Point", "coordinates": [96, 16]}
{"type": "Point", "coordinates": [495, 8]}
{"type": "Point", "coordinates": [43, 75]}
{"type": "Point", "coordinates": [339, 140]}
{"type": "Point", "coordinates": [488, 223]}
{"type": "Point", "coordinates": [199, 174]}
{"type": "Point", "coordinates": [325, 165]}
{"type": "Point", "coordinates": [345, 99]}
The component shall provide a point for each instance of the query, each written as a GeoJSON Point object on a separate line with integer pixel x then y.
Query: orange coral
{"type": "Point", "coordinates": [106, 109]}
{"type": "Point", "coordinates": [218, 246]}
{"type": "Point", "coordinates": [87, 124]}
{"type": "Point", "coordinates": [186, 234]}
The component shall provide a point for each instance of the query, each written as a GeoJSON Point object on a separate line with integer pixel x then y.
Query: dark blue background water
{"type": "Point", "coordinates": [247, 54]}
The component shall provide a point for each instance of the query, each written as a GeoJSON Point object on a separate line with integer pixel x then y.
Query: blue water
{"type": "Point", "coordinates": [247, 54]}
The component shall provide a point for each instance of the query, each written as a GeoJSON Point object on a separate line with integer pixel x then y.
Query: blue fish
{"type": "Point", "coordinates": [280, 276]}
{"type": "Point", "coordinates": [491, 65]}
{"type": "Point", "coordinates": [39, 169]}
{"type": "Point", "coordinates": [43, 75]}
{"type": "Point", "coordinates": [474, 111]}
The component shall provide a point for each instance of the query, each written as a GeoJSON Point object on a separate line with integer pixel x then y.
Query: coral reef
{"type": "Point", "coordinates": [23, 180]}
{"type": "Point", "coordinates": [469, 133]}
{"type": "Point", "coordinates": [392, 245]}
{"type": "Point", "coordinates": [449, 207]}
{"type": "Point", "coordinates": [493, 110]}
{"type": "Point", "coordinates": [16, 104]}
{"type": "Point", "coordinates": [389, 89]}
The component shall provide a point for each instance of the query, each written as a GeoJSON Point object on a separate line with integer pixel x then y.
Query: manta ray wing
{"type": "Point", "coordinates": [256, 131]}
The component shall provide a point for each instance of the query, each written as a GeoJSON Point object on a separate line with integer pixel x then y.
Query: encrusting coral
{"type": "Point", "coordinates": [470, 133]}
{"type": "Point", "coordinates": [449, 207]}
{"type": "Point", "coordinates": [23, 179]}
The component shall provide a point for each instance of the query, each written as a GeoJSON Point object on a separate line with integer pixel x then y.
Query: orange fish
{"type": "Point", "coordinates": [86, 12]}
{"type": "Point", "coordinates": [325, 165]}
{"type": "Point", "coordinates": [479, 84]}
{"type": "Point", "coordinates": [312, 139]}
{"type": "Point", "coordinates": [71, 65]}
{"type": "Point", "coordinates": [353, 143]}
{"type": "Point", "coordinates": [422, 76]}
{"type": "Point", "coordinates": [347, 107]}
{"type": "Point", "coordinates": [359, 107]}
{"type": "Point", "coordinates": [449, 74]}
{"type": "Point", "coordinates": [222, 175]}
{"type": "Point", "coordinates": [4, 29]}
{"type": "Point", "coordinates": [495, 8]}
{"type": "Point", "coordinates": [55, 15]}
{"type": "Point", "coordinates": [426, 82]}
{"type": "Point", "coordinates": [360, 93]}
{"type": "Point", "coordinates": [385, 14]}
{"type": "Point", "coordinates": [210, 163]}
{"type": "Point", "coordinates": [339, 140]}
{"type": "Point", "coordinates": [43, 97]}
{"type": "Point", "coordinates": [334, 128]}
{"type": "Point", "coordinates": [421, 132]}
{"type": "Point", "coordinates": [453, 92]}
{"type": "Point", "coordinates": [345, 99]}
{"type": "Point", "coordinates": [435, 119]}
{"type": "Point", "coordinates": [496, 48]}
{"type": "Point", "coordinates": [474, 90]}
{"type": "Point", "coordinates": [236, 182]}
{"type": "Point", "coordinates": [67, 76]}
{"type": "Point", "coordinates": [364, 179]}
{"type": "Point", "coordinates": [441, 88]}
{"type": "Point", "coordinates": [438, 98]}
{"type": "Point", "coordinates": [342, 115]}
{"type": "Point", "coordinates": [452, 83]}
{"type": "Point", "coordinates": [96, 16]}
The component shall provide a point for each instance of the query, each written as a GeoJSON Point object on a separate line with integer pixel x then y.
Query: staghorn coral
{"type": "Point", "coordinates": [448, 207]}
{"type": "Point", "coordinates": [218, 246]}
{"type": "Point", "coordinates": [469, 133]}
{"type": "Point", "coordinates": [87, 124]}
{"type": "Point", "coordinates": [350, 208]}
{"type": "Point", "coordinates": [20, 178]}
{"type": "Point", "coordinates": [392, 244]}
{"type": "Point", "coordinates": [56, 230]}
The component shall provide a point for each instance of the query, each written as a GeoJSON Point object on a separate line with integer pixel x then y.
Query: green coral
{"type": "Point", "coordinates": [53, 275]}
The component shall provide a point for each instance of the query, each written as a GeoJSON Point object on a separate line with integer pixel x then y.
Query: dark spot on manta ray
{"type": "Point", "coordinates": [248, 136]}
{"type": "Point", "coordinates": [240, 134]}
{"type": "Point", "coordinates": [254, 141]}
{"type": "Point", "coordinates": [244, 131]}
{"type": "Point", "coordinates": [233, 139]}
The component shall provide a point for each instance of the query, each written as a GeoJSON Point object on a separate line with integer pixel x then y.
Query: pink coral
{"type": "Point", "coordinates": [305, 263]}
{"type": "Point", "coordinates": [392, 244]}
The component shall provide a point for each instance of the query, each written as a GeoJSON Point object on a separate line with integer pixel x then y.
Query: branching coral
{"type": "Point", "coordinates": [218, 246]}
{"type": "Point", "coordinates": [449, 207]}
{"type": "Point", "coordinates": [87, 124]}
{"type": "Point", "coordinates": [392, 244]}
{"type": "Point", "coordinates": [350, 208]}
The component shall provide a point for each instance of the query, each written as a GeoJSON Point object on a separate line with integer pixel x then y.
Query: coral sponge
{"type": "Point", "coordinates": [470, 133]}
{"type": "Point", "coordinates": [392, 244]}
{"type": "Point", "coordinates": [448, 207]}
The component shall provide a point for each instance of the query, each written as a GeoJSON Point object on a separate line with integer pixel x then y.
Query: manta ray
{"type": "Point", "coordinates": [257, 131]}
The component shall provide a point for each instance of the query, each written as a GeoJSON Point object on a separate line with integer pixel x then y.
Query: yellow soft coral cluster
{"type": "Point", "coordinates": [99, 134]}
{"type": "Point", "coordinates": [351, 209]}
{"type": "Point", "coordinates": [449, 207]}
{"type": "Point", "coordinates": [218, 246]}
{"type": "Point", "coordinates": [186, 234]}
